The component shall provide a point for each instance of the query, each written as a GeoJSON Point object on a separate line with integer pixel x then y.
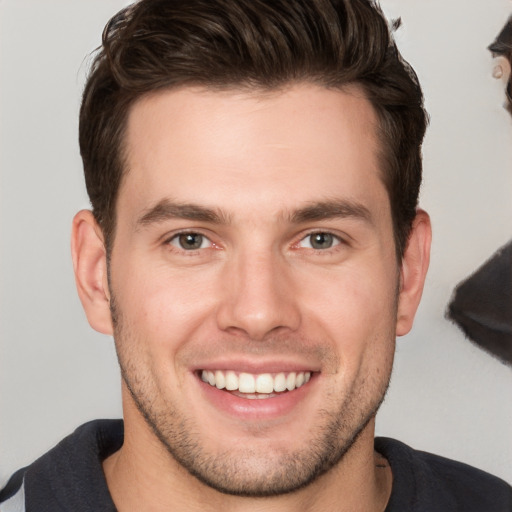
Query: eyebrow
{"type": "Point", "coordinates": [167, 209]}
{"type": "Point", "coordinates": [332, 209]}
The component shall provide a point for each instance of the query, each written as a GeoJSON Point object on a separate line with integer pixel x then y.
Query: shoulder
{"type": "Point", "coordinates": [423, 481]}
{"type": "Point", "coordinates": [68, 476]}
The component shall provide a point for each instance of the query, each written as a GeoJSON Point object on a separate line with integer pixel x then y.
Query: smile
{"type": "Point", "coordinates": [264, 384]}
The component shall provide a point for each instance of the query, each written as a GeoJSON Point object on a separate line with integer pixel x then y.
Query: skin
{"type": "Point", "coordinates": [254, 295]}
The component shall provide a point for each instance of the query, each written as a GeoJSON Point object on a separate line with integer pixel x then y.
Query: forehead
{"type": "Point", "coordinates": [239, 149]}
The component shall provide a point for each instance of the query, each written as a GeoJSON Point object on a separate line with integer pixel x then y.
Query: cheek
{"type": "Point", "coordinates": [165, 306]}
{"type": "Point", "coordinates": [351, 296]}
{"type": "Point", "coordinates": [356, 312]}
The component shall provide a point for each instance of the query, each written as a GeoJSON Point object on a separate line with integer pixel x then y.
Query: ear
{"type": "Point", "coordinates": [413, 271]}
{"type": "Point", "coordinates": [90, 266]}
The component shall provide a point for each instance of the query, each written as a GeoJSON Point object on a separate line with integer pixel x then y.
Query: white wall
{"type": "Point", "coordinates": [446, 396]}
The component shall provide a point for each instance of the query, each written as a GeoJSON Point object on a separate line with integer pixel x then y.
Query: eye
{"type": "Point", "coordinates": [319, 241]}
{"type": "Point", "coordinates": [190, 241]}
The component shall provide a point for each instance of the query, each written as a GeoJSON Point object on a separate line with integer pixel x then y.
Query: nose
{"type": "Point", "coordinates": [258, 299]}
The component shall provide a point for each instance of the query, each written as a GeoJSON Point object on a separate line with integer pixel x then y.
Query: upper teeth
{"type": "Point", "coordinates": [261, 383]}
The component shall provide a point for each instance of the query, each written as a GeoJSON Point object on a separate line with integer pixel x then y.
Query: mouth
{"type": "Point", "coordinates": [255, 386]}
{"type": "Point", "coordinates": [256, 394]}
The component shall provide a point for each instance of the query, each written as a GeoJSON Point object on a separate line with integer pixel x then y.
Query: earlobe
{"type": "Point", "coordinates": [413, 271]}
{"type": "Point", "coordinates": [90, 267]}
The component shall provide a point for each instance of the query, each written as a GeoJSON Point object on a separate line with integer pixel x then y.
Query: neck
{"type": "Point", "coordinates": [143, 472]}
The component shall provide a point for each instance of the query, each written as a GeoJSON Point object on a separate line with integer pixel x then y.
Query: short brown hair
{"type": "Point", "coordinates": [261, 44]}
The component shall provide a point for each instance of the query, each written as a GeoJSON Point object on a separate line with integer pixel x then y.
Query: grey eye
{"type": "Point", "coordinates": [190, 241]}
{"type": "Point", "coordinates": [321, 240]}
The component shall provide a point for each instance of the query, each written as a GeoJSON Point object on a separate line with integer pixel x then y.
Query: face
{"type": "Point", "coordinates": [253, 281]}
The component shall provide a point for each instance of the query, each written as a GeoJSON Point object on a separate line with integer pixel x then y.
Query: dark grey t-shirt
{"type": "Point", "coordinates": [70, 478]}
{"type": "Point", "coordinates": [423, 482]}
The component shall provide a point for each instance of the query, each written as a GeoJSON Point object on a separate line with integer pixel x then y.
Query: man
{"type": "Point", "coordinates": [254, 247]}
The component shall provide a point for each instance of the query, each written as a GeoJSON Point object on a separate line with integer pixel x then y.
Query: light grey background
{"type": "Point", "coordinates": [446, 395]}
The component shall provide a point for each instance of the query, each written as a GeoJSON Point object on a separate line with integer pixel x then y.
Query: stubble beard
{"type": "Point", "coordinates": [249, 473]}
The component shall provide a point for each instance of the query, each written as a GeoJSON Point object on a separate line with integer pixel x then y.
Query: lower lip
{"type": "Point", "coordinates": [256, 408]}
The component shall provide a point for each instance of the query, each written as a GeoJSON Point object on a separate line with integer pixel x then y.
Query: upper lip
{"type": "Point", "coordinates": [256, 367]}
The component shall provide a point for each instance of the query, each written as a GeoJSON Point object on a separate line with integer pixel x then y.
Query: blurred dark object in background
{"type": "Point", "coordinates": [482, 305]}
{"type": "Point", "coordinates": [502, 47]}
